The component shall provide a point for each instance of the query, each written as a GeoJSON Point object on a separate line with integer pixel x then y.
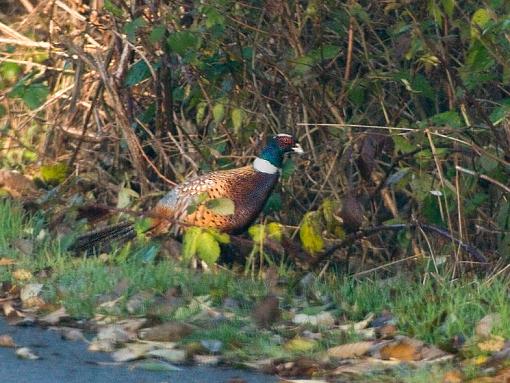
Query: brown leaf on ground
{"type": "Point", "coordinates": [109, 337]}
{"type": "Point", "coordinates": [386, 332]}
{"type": "Point", "coordinates": [486, 324]}
{"type": "Point", "coordinates": [301, 367]}
{"type": "Point", "coordinates": [16, 184]}
{"type": "Point", "coordinates": [7, 261]}
{"type": "Point", "coordinates": [54, 317]}
{"type": "Point", "coordinates": [266, 312]}
{"type": "Point", "coordinates": [7, 341]}
{"type": "Point", "coordinates": [131, 351]}
{"type": "Point", "coordinates": [453, 376]}
{"type": "Point", "coordinates": [405, 349]}
{"type": "Point", "coordinates": [351, 350]}
{"type": "Point", "coordinates": [167, 332]}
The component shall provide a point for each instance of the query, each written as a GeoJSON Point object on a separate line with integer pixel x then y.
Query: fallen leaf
{"type": "Point", "coordinates": [351, 350]}
{"type": "Point", "coordinates": [453, 376]}
{"type": "Point", "coordinates": [174, 356]}
{"type": "Point", "coordinates": [109, 337]}
{"type": "Point", "coordinates": [22, 275]}
{"type": "Point", "coordinates": [71, 334]}
{"type": "Point", "coordinates": [155, 365]}
{"type": "Point", "coordinates": [131, 351]}
{"type": "Point", "coordinates": [493, 344]}
{"type": "Point", "coordinates": [54, 317]}
{"type": "Point", "coordinates": [26, 353]}
{"type": "Point", "coordinates": [166, 332]}
{"type": "Point", "coordinates": [324, 319]}
{"type": "Point", "coordinates": [7, 341]}
{"type": "Point", "coordinates": [299, 344]}
{"type": "Point", "coordinates": [29, 295]}
{"type": "Point", "coordinates": [358, 325]}
{"type": "Point", "coordinates": [208, 360]}
{"type": "Point", "coordinates": [7, 261]}
{"type": "Point", "coordinates": [486, 324]}
{"type": "Point", "coordinates": [405, 349]}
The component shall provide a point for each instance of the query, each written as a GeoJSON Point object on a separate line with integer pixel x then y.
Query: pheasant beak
{"type": "Point", "coordinates": [297, 149]}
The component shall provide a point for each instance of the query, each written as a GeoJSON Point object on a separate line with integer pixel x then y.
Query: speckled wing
{"type": "Point", "coordinates": [247, 188]}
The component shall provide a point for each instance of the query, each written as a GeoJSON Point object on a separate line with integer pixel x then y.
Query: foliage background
{"type": "Point", "coordinates": [114, 101]}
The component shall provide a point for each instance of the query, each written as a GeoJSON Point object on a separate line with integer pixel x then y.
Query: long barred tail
{"type": "Point", "coordinates": [120, 232]}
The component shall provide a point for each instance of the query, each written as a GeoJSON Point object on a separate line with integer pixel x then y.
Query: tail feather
{"type": "Point", "coordinates": [120, 232]}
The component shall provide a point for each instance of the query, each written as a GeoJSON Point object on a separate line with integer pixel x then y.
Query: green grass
{"type": "Point", "coordinates": [434, 309]}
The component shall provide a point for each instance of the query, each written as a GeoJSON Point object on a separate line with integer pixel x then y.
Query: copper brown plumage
{"type": "Point", "coordinates": [247, 187]}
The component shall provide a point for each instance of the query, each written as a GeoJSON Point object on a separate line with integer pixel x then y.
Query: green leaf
{"type": "Point", "coordinates": [273, 203]}
{"type": "Point", "coordinates": [448, 6]}
{"type": "Point", "coordinates": [288, 168]}
{"type": "Point", "coordinates": [180, 42]}
{"type": "Point", "coordinates": [124, 197]}
{"type": "Point", "coordinates": [200, 112]}
{"type": "Point", "coordinates": [112, 8]}
{"type": "Point", "coordinates": [190, 242]}
{"type": "Point", "coordinates": [208, 248]}
{"type": "Point", "coordinates": [213, 17]}
{"type": "Point", "coordinates": [3, 111]}
{"type": "Point", "coordinates": [54, 174]}
{"type": "Point", "coordinates": [35, 95]}
{"type": "Point", "coordinates": [218, 236]}
{"type": "Point", "coordinates": [157, 33]}
{"type": "Point", "coordinates": [237, 115]}
{"type": "Point", "coordinates": [218, 112]}
{"type": "Point", "coordinates": [450, 118]}
{"type": "Point", "coordinates": [222, 206]}
{"type": "Point", "coordinates": [131, 27]}
{"type": "Point", "coordinates": [142, 225]}
{"type": "Point", "coordinates": [275, 230]}
{"type": "Point", "coordinates": [197, 200]}
{"type": "Point", "coordinates": [256, 232]}
{"type": "Point", "coordinates": [10, 71]}
{"type": "Point", "coordinates": [479, 20]}
{"type": "Point", "coordinates": [139, 72]}
{"type": "Point", "coordinates": [310, 233]}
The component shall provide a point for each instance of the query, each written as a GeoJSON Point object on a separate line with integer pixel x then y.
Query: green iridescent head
{"type": "Point", "coordinates": [276, 148]}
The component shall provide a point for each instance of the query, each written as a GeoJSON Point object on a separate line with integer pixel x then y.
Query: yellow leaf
{"type": "Point", "coordinates": [493, 344]}
{"type": "Point", "coordinates": [257, 232]}
{"type": "Point", "coordinates": [310, 233]}
{"type": "Point", "coordinates": [275, 231]}
{"type": "Point", "coordinates": [299, 345]}
{"type": "Point", "coordinates": [22, 274]}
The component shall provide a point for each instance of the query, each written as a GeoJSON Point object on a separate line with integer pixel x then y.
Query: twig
{"type": "Point", "coordinates": [483, 177]}
{"type": "Point", "coordinates": [471, 250]}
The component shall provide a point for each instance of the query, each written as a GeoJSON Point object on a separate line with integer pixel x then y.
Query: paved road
{"type": "Point", "coordinates": [70, 362]}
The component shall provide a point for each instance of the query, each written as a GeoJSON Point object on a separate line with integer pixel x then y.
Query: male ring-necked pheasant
{"type": "Point", "coordinates": [247, 187]}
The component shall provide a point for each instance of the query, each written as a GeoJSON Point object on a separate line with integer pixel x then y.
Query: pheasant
{"type": "Point", "coordinates": [247, 187]}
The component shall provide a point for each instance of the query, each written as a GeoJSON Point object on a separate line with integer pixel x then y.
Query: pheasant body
{"type": "Point", "coordinates": [247, 187]}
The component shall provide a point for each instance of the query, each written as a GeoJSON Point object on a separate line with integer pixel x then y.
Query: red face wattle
{"type": "Point", "coordinates": [287, 143]}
